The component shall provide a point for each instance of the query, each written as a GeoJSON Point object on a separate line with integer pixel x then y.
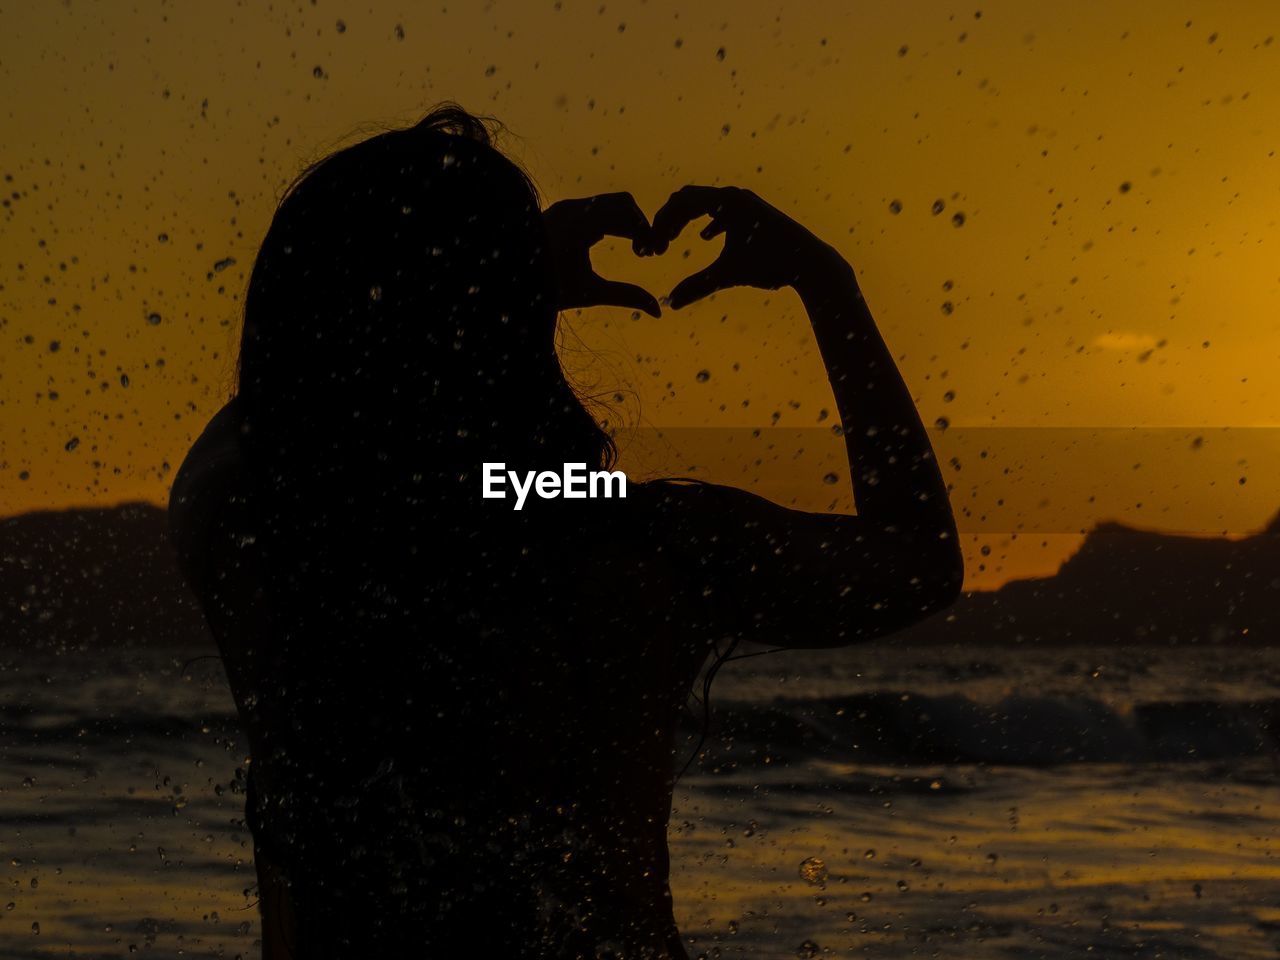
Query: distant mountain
{"type": "Point", "coordinates": [1132, 586]}
{"type": "Point", "coordinates": [94, 578]}
{"type": "Point", "coordinates": [103, 577]}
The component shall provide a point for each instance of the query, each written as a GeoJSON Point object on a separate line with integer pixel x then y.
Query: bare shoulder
{"type": "Point", "coordinates": [676, 514]}
{"type": "Point", "coordinates": [702, 529]}
{"type": "Point", "coordinates": [214, 455]}
{"type": "Point", "coordinates": [206, 491]}
{"type": "Point", "coordinates": [683, 498]}
{"type": "Point", "coordinates": [697, 512]}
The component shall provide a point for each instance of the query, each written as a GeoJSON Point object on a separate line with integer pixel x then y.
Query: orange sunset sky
{"type": "Point", "coordinates": [1094, 313]}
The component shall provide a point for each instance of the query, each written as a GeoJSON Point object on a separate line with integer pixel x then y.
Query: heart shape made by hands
{"type": "Point", "coordinates": [763, 247]}
{"type": "Point", "coordinates": [576, 226]}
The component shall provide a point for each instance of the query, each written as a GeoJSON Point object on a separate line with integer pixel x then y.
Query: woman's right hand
{"type": "Point", "coordinates": [763, 247]}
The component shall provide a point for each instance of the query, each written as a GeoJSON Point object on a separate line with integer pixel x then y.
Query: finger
{"type": "Point", "coordinates": [699, 285]}
{"type": "Point", "coordinates": [685, 205]}
{"type": "Point", "coordinates": [614, 293]}
{"type": "Point", "coordinates": [618, 215]}
{"type": "Point", "coordinates": [712, 230]}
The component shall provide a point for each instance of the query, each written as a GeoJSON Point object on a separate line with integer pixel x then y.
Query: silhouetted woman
{"type": "Point", "coordinates": [461, 717]}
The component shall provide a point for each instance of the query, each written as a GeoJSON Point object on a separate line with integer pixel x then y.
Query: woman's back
{"type": "Point", "coordinates": [487, 719]}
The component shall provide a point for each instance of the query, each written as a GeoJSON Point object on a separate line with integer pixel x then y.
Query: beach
{"type": "Point", "coordinates": [879, 801]}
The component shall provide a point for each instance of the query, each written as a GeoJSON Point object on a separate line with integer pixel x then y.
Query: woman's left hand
{"type": "Point", "coordinates": [575, 226]}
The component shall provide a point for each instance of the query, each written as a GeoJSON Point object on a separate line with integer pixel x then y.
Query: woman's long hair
{"type": "Point", "coordinates": [399, 331]}
{"type": "Point", "coordinates": [400, 322]}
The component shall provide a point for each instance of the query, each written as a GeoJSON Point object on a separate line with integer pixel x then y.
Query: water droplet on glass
{"type": "Point", "coordinates": [938, 207]}
{"type": "Point", "coordinates": [830, 478]}
{"type": "Point", "coordinates": [71, 444]}
{"type": "Point", "coordinates": [153, 319]}
{"type": "Point", "coordinates": [399, 31]}
{"type": "Point", "coordinates": [375, 293]}
{"type": "Point", "coordinates": [317, 72]}
{"type": "Point", "coordinates": [703, 376]}
{"type": "Point", "coordinates": [895, 206]}
{"type": "Point", "coordinates": [957, 219]}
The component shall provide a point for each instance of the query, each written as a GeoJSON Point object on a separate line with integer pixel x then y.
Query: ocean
{"type": "Point", "coordinates": [880, 800]}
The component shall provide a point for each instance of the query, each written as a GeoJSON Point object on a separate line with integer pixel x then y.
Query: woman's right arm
{"type": "Point", "coordinates": [812, 579]}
